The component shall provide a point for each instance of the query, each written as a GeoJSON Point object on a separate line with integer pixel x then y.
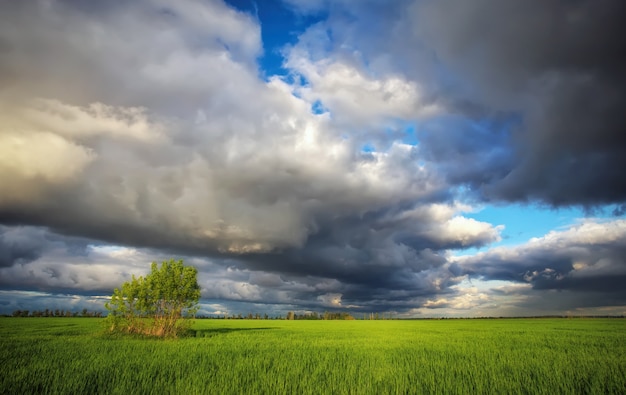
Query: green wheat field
{"type": "Point", "coordinates": [503, 356]}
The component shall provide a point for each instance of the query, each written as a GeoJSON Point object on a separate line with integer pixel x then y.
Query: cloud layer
{"type": "Point", "coordinates": [131, 132]}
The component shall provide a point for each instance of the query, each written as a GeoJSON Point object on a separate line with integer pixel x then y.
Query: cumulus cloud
{"type": "Point", "coordinates": [248, 176]}
{"type": "Point", "coordinates": [330, 300]}
{"type": "Point", "coordinates": [584, 258]}
{"type": "Point", "coordinates": [149, 53]}
{"type": "Point", "coordinates": [356, 97]}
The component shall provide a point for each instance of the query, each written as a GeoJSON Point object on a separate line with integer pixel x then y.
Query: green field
{"type": "Point", "coordinates": [506, 356]}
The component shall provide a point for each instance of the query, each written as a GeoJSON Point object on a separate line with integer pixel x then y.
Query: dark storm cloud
{"type": "Point", "coordinates": [23, 244]}
{"type": "Point", "coordinates": [469, 151]}
{"type": "Point", "coordinates": [387, 250]}
{"type": "Point", "coordinates": [561, 66]}
{"type": "Point", "coordinates": [35, 258]}
{"type": "Point", "coordinates": [16, 247]}
{"type": "Point", "coordinates": [39, 301]}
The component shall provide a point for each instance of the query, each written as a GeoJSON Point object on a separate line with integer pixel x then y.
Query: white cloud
{"type": "Point", "coordinates": [237, 31]}
{"type": "Point", "coordinates": [588, 232]}
{"type": "Point", "coordinates": [26, 159]}
{"type": "Point", "coordinates": [576, 241]}
{"type": "Point", "coordinates": [330, 299]}
{"type": "Point", "coordinates": [355, 97]}
{"type": "Point", "coordinates": [443, 224]}
{"type": "Point", "coordinates": [466, 231]}
{"type": "Point", "coordinates": [161, 55]}
{"type": "Point", "coordinates": [93, 120]}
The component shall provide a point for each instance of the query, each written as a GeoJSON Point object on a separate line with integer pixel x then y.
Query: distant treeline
{"type": "Point", "coordinates": [320, 316]}
{"type": "Point", "coordinates": [306, 316]}
{"type": "Point", "coordinates": [56, 313]}
{"type": "Point", "coordinates": [290, 316]}
{"type": "Point", "coordinates": [293, 316]}
{"type": "Point", "coordinates": [250, 316]}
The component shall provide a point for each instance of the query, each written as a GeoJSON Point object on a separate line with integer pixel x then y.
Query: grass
{"type": "Point", "coordinates": [508, 356]}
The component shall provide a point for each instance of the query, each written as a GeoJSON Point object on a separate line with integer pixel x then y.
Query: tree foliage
{"type": "Point", "coordinates": [157, 304]}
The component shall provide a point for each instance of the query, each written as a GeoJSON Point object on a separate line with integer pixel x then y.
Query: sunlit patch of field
{"type": "Point", "coordinates": [512, 356]}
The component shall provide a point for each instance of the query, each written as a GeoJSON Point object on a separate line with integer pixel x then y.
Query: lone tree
{"type": "Point", "coordinates": [157, 304]}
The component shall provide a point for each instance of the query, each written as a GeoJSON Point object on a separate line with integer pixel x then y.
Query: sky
{"type": "Point", "coordinates": [418, 158]}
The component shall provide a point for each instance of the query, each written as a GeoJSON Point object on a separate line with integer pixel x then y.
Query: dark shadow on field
{"type": "Point", "coordinates": [222, 331]}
